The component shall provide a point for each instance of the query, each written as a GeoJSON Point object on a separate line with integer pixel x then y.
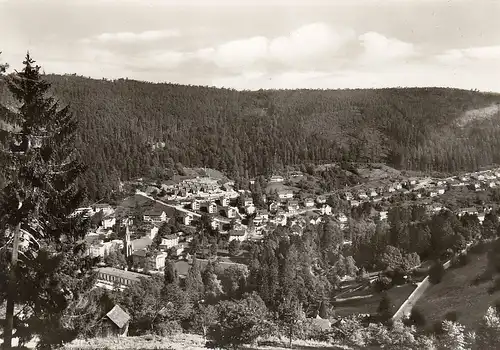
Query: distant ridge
{"type": "Point", "coordinates": [247, 133]}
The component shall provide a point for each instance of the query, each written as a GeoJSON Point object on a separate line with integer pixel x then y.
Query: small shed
{"type": "Point", "coordinates": [116, 322]}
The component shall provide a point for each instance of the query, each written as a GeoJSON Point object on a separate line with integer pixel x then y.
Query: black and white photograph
{"type": "Point", "coordinates": [250, 174]}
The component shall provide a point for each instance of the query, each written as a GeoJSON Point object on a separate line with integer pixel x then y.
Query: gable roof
{"type": "Point", "coordinates": [141, 243]}
{"type": "Point", "coordinates": [118, 316]}
{"type": "Point", "coordinates": [154, 212]}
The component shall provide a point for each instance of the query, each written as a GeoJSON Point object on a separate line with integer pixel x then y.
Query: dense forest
{"type": "Point", "coordinates": [129, 128]}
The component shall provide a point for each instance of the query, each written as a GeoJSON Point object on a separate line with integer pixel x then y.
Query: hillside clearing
{"type": "Point", "coordinates": [456, 293]}
{"type": "Point", "coordinates": [370, 304]}
{"type": "Point", "coordinates": [477, 114]}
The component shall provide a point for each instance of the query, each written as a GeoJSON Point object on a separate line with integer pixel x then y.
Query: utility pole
{"type": "Point", "coordinates": [12, 290]}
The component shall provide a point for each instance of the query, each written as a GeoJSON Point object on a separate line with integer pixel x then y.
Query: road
{"type": "Point", "coordinates": [407, 306]}
{"type": "Point", "coordinates": [176, 207]}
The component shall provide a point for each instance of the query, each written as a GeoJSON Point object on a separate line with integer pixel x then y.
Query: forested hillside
{"type": "Point", "coordinates": [248, 133]}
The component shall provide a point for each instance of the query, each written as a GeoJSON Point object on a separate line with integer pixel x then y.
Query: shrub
{"type": "Point", "coordinates": [460, 261]}
{"type": "Point", "coordinates": [240, 322]}
{"type": "Point", "coordinates": [417, 318]}
{"type": "Point", "coordinates": [168, 328]}
{"type": "Point", "coordinates": [310, 330]}
{"type": "Point", "coordinates": [382, 283]}
{"type": "Point", "coordinates": [436, 273]}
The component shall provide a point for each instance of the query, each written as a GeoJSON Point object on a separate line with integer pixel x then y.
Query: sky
{"type": "Point", "coordinates": [268, 44]}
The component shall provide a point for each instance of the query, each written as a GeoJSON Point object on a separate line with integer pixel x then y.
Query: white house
{"type": "Point", "coordinates": [195, 205]}
{"type": "Point", "coordinates": [87, 212]}
{"type": "Point", "coordinates": [469, 211]}
{"type": "Point", "coordinates": [308, 202]}
{"type": "Point", "coordinates": [276, 178]}
{"type": "Point", "coordinates": [321, 199]}
{"type": "Point", "coordinates": [105, 208]}
{"type": "Point", "coordinates": [348, 196]}
{"type": "Point", "coordinates": [362, 195]}
{"type": "Point", "coordinates": [155, 215]}
{"type": "Point", "coordinates": [326, 210]}
{"type": "Point", "coordinates": [285, 194]}
{"type": "Point", "coordinates": [273, 206]}
{"type": "Point", "coordinates": [341, 217]}
{"type": "Point", "coordinates": [101, 249]}
{"type": "Point", "coordinates": [250, 209]}
{"type": "Point", "coordinates": [230, 212]}
{"type": "Point", "coordinates": [247, 202]}
{"type": "Point", "coordinates": [239, 235]}
{"type": "Point", "coordinates": [280, 220]}
{"type": "Point", "coordinates": [157, 261]}
{"type": "Point", "coordinates": [292, 206]}
{"type": "Point", "coordinates": [108, 222]}
{"type": "Point", "coordinates": [211, 207]}
{"type": "Point", "coordinates": [224, 201]}
{"type": "Point", "coordinates": [169, 241]}
{"type": "Point", "coordinates": [187, 219]}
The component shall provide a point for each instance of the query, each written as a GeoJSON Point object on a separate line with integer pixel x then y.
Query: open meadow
{"type": "Point", "coordinates": [457, 293]}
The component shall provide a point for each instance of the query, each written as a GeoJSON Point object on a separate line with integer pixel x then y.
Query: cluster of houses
{"type": "Point", "coordinates": [235, 214]}
{"type": "Point", "coordinates": [202, 187]}
{"type": "Point", "coordinates": [425, 187]}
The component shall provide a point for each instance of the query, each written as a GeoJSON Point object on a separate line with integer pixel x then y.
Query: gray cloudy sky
{"type": "Point", "coordinates": [261, 43]}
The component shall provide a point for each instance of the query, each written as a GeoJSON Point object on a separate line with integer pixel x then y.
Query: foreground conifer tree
{"type": "Point", "coordinates": [45, 275]}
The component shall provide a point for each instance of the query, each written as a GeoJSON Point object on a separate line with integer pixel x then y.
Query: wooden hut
{"type": "Point", "coordinates": [116, 322]}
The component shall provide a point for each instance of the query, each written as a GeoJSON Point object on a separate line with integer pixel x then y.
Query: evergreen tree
{"type": "Point", "coordinates": [194, 282]}
{"type": "Point", "coordinates": [385, 308]}
{"type": "Point", "coordinates": [49, 277]}
{"type": "Point", "coordinates": [234, 247]}
{"type": "Point", "coordinates": [171, 276]}
{"type": "Point", "coordinates": [436, 272]}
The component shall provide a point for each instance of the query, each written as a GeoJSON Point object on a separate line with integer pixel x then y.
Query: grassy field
{"type": "Point", "coordinates": [456, 293]}
{"type": "Point", "coordinates": [279, 186]}
{"type": "Point", "coordinates": [370, 304]}
{"type": "Point", "coordinates": [181, 342]}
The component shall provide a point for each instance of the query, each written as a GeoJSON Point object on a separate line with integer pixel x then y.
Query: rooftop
{"type": "Point", "coordinates": [121, 273]}
{"type": "Point", "coordinates": [118, 316]}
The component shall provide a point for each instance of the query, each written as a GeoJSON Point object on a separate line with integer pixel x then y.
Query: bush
{"type": "Point", "coordinates": [460, 261]}
{"type": "Point", "coordinates": [398, 277]}
{"type": "Point", "coordinates": [240, 322]}
{"type": "Point", "coordinates": [417, 318]}
{"type": "Point", "coordinates": [382, 283]}
{"type": "Point", "coordinates": [310, 330]}
{"type": "Point", "coordinates": [168, 328]}
{"type": "Point", "coordinates": [436, 273]}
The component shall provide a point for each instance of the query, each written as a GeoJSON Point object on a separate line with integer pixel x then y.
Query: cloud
{"type": "Point", "coordinates": [380, 49]}
{"type": "Point", "coordinates": [469, 55]}
{"type": "Point", "coordinates": [237, 53]}
{"type": "Point", "coordinates": [311, 42]}
{"type": "Point", "coordinates": [306, 45]}
{"type": "Point", "coordinates": [130, 37]}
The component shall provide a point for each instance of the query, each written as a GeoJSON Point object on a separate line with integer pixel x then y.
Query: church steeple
{"type": "Point", "coordinates": [127, 244]}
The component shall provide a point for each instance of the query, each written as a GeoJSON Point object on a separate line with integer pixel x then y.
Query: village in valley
{"type": "Point", "coordinates": [159, 221]}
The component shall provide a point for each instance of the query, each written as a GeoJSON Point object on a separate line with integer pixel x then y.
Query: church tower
{"type": "Point", "coordinates": [127, 244]}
